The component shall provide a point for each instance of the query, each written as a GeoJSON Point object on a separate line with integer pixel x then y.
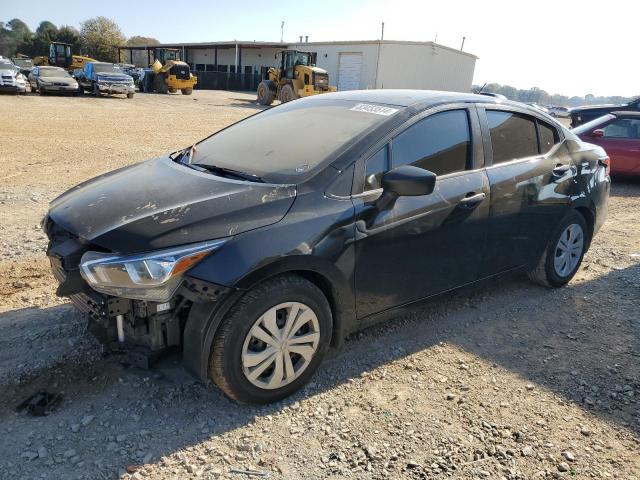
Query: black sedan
{"type": "Point", "coordinates": [261, 247]}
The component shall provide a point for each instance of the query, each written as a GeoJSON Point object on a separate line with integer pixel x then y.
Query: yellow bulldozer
{"type": "Point", "coordinates": [296, 77]}
{"type": "Point", "coordinates": [168, 73]}
{"type": "Point", "coordinates": [60, 56]}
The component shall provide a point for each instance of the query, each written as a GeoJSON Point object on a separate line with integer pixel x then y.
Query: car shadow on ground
{"type": "Point", "coordinates": [581, 342]}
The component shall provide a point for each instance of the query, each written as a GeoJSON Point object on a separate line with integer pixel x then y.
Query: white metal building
{"type": "Point", "coordinates": [351, 64]}
{"type": "Point", "coordinates": [394, 64]}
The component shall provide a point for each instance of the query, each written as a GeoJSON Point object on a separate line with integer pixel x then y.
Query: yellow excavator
{"type": "Point", "coordinates": [297, 77]}
{"type": "Point", "coordinates": [60, 56]}
{"type": "Point", "coordinates": [168, 73]}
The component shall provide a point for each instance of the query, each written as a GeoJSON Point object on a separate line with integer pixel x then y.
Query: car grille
{"type": "Point", "coordinates": [88, 301]}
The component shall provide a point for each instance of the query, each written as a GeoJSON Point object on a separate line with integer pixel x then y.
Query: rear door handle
{"type": "Point", "coordinates": [473, 198]}
{"type": "Point", "coordinates": [560, 170]}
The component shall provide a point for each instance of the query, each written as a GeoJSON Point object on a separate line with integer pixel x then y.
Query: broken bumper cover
{"type": "Point", "coordinates": [124, 88]}
{"type": "Point", "coordinates": [148, 325]}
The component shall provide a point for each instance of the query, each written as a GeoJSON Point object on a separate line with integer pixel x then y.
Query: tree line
{"type": "Point", "coordinates": [97, 38]}
{"type": "Point", "coordinates": [539, 96]}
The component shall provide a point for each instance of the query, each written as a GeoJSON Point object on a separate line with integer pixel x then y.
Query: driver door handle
{"type": "Point", "coordinates": [473, 198]}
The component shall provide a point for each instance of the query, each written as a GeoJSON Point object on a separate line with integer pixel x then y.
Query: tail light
{"type": "Point", "coordinates": [606, 163]}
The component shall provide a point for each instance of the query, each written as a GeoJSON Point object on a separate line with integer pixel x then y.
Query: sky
{"type": "Point", "coordinates": [569, 47]}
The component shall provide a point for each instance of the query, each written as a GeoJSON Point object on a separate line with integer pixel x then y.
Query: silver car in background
{"type": "Point", "coordinates": [52, 80]}
{"type": "Point", "coordinates": [11, 80]}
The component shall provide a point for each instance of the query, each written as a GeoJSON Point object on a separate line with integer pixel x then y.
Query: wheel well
{"type": "Point", "coordinates": [325, 286]}
{"type": "Point", "coordinates": [590, 219]}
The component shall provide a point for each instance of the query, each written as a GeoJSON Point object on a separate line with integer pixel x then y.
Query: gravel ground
{"type": "Point", "coordinates": [508, 381]}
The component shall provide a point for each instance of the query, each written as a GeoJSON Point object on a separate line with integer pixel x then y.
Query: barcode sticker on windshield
{"type": "Point", "coordinates": [377, 109]}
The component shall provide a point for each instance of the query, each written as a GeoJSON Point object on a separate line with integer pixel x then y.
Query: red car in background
{"type": "Point", "coordinates": [619, 134]}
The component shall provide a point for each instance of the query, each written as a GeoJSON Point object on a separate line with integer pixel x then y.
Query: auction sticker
{"type": "Point", "coordinates": [377, 109]}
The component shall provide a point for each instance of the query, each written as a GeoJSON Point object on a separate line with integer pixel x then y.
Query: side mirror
{"type": "Point", "coordinates": [598, 133]}
{"type": "Point", "coordinates": [408, 181]}
{"type": "Point", "coordinates": [405, 181]}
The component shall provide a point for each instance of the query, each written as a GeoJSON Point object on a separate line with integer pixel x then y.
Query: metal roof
{"type": "Point", "coordinates": [303, 45]}
{"type": "Point", "coordinates": [229, 44]}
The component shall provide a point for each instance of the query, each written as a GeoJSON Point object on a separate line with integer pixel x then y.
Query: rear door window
{"type": "Point", "coordinates": [513, 136]}
{"type": "Point", "coordinates": [440, 143]}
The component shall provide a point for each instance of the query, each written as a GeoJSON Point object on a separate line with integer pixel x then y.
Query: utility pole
{"type": "Point", "coordinates": [282, 31]}
{"type": "Point", "coordinates": [382, 35]}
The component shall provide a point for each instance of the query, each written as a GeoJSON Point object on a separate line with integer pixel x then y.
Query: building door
{"type": "Point", "coordinates": [349, 70]}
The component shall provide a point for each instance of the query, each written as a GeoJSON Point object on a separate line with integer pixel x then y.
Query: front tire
{"type": "Point", "coordinates": [266, 95]}
{"type": "Point", "coordinates": [272, 340]}
{"type": "Point", "coordinates": [287, 94]}
{"type": "Point", "coordinates": [563, 254]}
{"type": "Point", "coordinates": [187, 91]}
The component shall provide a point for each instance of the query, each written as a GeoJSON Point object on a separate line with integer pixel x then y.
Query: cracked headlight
{"type": "Point", "coordinates": [153, 276]}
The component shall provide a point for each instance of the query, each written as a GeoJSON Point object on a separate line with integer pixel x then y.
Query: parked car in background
{"type": "Point", "coordinates": [11, 80]}
{"type": "Point", "coordinates": [46, 80]}
{"type": "Point", "coordinates": [254, 257]}
{"type": "Point", "coordinates": [101, 77]}
{"type": "Point", "coordinates": [558, 112]}
{"type": "Point", "coordinates": [24, 64]}
{"type": "Point", "coordinates": [580, 115]}
{"type": "Point", "coordinates": [619, 134]}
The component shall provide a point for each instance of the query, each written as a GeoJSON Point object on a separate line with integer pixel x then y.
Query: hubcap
{"type": "Point", "coordinates": [569, 250]}
{"type": "Point", "coordinates": [280, 345]}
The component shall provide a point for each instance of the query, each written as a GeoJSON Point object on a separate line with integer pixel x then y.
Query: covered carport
{"type": "Point", "coordinates": [218, 65]}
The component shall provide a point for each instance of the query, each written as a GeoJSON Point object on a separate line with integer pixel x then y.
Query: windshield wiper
{"type": "Point", "coordinates": [226, 172]}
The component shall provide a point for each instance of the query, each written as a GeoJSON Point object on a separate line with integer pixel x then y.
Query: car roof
{"type": "Point", "coordinates": [408, 98]}
{"type": "Point", "coordinates": [48, 67]}
{"type": "Point", "coordinates": [627, 114]}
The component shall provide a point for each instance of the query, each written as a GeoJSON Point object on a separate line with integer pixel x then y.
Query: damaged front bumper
{"type": "Point", "coordinates": [145, 329]}
{"type": "Point", "coordinates": [122, 88]}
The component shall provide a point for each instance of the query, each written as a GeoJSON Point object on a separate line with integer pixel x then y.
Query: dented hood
{"type": "Point", "coordinates": [159, 203]}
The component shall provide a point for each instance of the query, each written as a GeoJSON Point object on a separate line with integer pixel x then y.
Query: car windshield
{"type": "Point", "coordinates": [586, 127]}
{"type": "Point", "coordinates": [4, 64]}
{"type": "Point", "coordinates": [53, 72]}
{"type": "Point", "coordinates": [287, 143]}
{"type": "Point", "coordinates": [23, 62]}
{"type": "Point", "coordinates": [106, 68]}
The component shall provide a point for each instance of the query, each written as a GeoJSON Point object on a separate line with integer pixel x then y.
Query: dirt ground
{"type": "Point", "coordinates": [511, 381]}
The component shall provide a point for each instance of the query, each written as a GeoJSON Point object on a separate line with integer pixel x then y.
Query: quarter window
{"type": "Point", "coordinates": [623, 128]}
{"type": "Point", "coordinates": [377, 165]}
{"type": "Point", "coordinates": [548, 136]}
{"type": "Point", "coordinates": [440, 143]}
{"type": "Point", "coordinates": [512, 136]}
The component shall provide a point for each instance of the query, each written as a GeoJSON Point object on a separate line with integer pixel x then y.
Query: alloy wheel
{"type": "Point", "coordinates": [568, 250]}
{"type": "Point", "coordinates": [280, 345]}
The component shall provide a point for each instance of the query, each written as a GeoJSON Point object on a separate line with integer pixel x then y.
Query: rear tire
{"type": "Point", "coordinates": [173, 90]}
{"type": "Point", "coordinates": [287, 94]}
{"type": "Point", "coordinates": [187, 91]}
{"type": "Point", "coordinates": [266, 95]}
{"type": "Point", "coordinates": [563, 254]}
{"type": "Point", "coordinates": [251, 370]}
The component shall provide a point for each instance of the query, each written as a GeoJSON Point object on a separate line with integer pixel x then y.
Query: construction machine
{"type": "Point", "coordinates": [168, 73]}
{"type": "Point", "coordinates": [60, 56]}
{"type": "Point", "coordinates": [296, 77]}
